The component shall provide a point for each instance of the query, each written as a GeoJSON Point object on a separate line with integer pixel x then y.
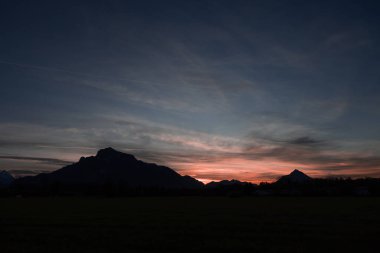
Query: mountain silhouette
{"type": "Point", "coordinates": [225, 183]}
{"type": "Point", "coordinates": [113, 167]}
{"type": "Point", "coordinates": [6, 179]}
{"type": "Point", "coordinates": [295, 177]}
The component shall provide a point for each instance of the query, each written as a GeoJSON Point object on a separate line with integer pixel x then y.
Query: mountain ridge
{"type": "Point", "coordinates": [110, 166]}
{"type": "Point", "coordinates": [224, 183]}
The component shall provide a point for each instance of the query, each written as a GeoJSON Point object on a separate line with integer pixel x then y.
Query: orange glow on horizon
{"type": "Point", "coordinates": [257, 171]}
{"type": "Point", "coordinates": [239, 169]}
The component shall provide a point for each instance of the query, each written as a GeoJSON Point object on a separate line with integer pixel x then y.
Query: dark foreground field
{"type": "Point", "coordinates": [187, 224]}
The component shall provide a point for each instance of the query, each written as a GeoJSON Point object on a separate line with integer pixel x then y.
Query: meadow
{"type": "Point", "coordinates": [190, 224]}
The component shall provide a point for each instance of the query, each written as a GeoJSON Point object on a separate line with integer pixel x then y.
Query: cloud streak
{"type": "Point", "coordinates": [37, 159]}
{"type": "Point", "coordinates": [202, 155]}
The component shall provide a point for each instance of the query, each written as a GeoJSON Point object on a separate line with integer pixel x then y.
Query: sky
{"type": "Point", "coordinates": [246, 90]}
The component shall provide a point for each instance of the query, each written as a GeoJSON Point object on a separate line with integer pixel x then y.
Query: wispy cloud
{"type": "Point", "coordinates": [37, 159]}
{"type": "Point", "coordinates": [305, 141]}
{"type": "Point", "coordinates": [253, 157]}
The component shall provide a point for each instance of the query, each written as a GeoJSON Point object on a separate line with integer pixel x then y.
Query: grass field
{"type": "Point", "coordinates": [190, 224]}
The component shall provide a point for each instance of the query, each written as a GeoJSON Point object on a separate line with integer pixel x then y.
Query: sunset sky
{"type": "Point", "coordinates": [246, 90]}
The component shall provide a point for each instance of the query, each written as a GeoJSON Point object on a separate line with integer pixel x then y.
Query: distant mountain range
{"type": "Point", "coordinates": [113, 173]}
{"type": "Point", "coordinates": [110, 166]}
{"type": "Point", "coordinates": [113, 167]}
{"type": "Point", "coordinates": [226, 183]}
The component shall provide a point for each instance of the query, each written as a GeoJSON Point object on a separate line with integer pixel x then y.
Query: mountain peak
{"type": "Point", "coordinates": [112, 153]}
{"type": "Point", "coordinates": [297, 172]}
{"type": "Point", "coordinates": [113, 167]}
{"type": "Point", "coordinates": [295, 176]}
{"type": "Point", "coordinates": [106, 151]}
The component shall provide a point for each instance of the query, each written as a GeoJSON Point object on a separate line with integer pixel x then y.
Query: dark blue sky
{"type": "Point", "coordinates": [215, 89]}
